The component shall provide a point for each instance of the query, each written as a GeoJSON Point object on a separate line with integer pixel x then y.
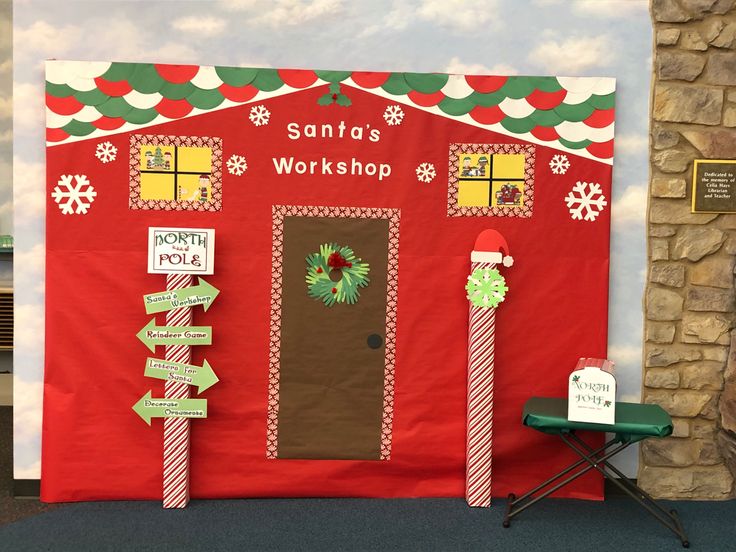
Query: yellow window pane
{"type": "Point", "coordinates": [195, 160]}
{"type": "Point", "coordinates": [508, 165]}
{"type": "Point", "coordinates": [508, 194]}
{"type": "Point", "coordinates": [157, 186]}
{"type": "Point", "coordinates": [472, 165]}
{"type": "Point", "coordinates": [157, 158]}
{"type": "Point", "coordinates": [192, 187]}
{"type": "Point", "coordinates": [473, 194]}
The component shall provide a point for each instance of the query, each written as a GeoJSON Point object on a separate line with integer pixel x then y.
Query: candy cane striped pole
{"type": "Point", "coordinates": [176, 430]}
{"type": "Point", "coordinates": [489, 250]}
{"type": "Point", "coordinates": [481, 337]}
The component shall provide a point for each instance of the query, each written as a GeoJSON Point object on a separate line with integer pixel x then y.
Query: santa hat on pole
{"type": "Point", "coordinates": [491, 247]}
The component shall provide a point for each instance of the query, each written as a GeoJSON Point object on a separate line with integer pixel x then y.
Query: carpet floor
{"type": "Point", "coordinates": [324, 525]}
{"type": "Point", "coordinates": [364, 525]}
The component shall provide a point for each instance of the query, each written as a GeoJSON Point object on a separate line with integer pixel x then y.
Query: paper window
{"type": "Point", "coordinates": [176, 173]}
{"type": "Point", "coordinates": [491, 180]}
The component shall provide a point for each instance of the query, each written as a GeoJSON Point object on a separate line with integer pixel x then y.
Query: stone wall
{"type": "Point", "coordinates": [690, 349]}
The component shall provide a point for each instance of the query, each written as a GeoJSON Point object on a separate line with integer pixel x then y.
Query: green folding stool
{"type": "Point", "coordinates": [634, 422]}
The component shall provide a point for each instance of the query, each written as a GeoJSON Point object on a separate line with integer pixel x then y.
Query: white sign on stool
{"type": "Point", "coordinates": [592, 392]}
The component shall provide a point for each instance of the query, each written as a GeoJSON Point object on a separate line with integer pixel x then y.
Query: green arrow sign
{"type": "Point", "coordinates": [152, 335]}
{"type": "Point", "coordinates": [148, 408]}
{"type": "Point", "coordinates": [203, 294]}
{"type": "Point", "coordinates": [201, 376]}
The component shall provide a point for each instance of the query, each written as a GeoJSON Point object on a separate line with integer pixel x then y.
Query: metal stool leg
{"type": "Point", "coordinates": [513, 508]}
{"type": "Point", "coordinates": [669, 519]}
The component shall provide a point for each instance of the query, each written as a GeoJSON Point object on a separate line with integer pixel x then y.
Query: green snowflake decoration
{"type": "Point", "coordinates": [350, 274]}
{"type": "Point", "coordinates": [486, 287]}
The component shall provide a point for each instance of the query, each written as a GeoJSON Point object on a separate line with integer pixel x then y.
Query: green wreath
{"type": "Point", "coordinates": [486, 287]}
{"type": "Point", "coordinates": [349, 274]}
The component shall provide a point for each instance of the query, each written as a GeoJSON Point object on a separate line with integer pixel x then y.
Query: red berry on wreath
{"type": "Point", "coordinates": [319, 270]}
{"type": "Point", "coordinates": [334, 96]}
{"type": "Point", "coordinates": [334, 290]}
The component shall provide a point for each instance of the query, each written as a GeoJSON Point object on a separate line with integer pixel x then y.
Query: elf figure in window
{"type": "Point", "coordinates": [204, 187]}
{"type": "Point", "coordinates": [167, 161]}
{"type": "Point", "coordinates": [482, 164]}
{"type": "Point", "coordinates": [467, 169]}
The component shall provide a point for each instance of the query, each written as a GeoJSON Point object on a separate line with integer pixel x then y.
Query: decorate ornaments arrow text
{"type": "Point", "coordinates": [201, 376]}
{"type": "Point", "coordinates": [148, 408]}
{"type": "Point", "coordinates": [152, 335]}
{"type": "Point", "coordinates": [203, 294]}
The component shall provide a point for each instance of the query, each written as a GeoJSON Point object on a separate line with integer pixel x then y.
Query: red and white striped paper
{"type": "Point", "coordinates": [176, 430]}
{"type": "Point", "coordinates": [481, 344]}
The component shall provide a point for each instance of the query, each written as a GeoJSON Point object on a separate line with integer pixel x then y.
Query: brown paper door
{"type": "Point", "coordinates": [331, 382]}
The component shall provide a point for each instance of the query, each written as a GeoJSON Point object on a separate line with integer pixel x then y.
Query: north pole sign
{"type": "Point", "coordinates": [181, 251]}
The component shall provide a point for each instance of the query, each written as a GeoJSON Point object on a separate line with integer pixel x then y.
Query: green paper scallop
{"type": "Point", "coordinates": [205, 99]}
{"type": "Point", "coordinates": [236, 76]}
{"type": "Point", "coordinates": [141, 116]}
{"type": "Point", "coordinates": [575, 145]}
{"type": "Point", "coordinates": [114, 107]}
{"type": "Point", "coordinates": [175, 91]}
{"type": "Point", "coordinates": [426, 83]}
{"type": "Point", "coordinates": [268, 80]}
{"type": "Point", "coordinates": [518, 126]}
{"type": "Point", "coordinates": [396, 84]}
{"type": "Point", "coordinates": [606, 101]}
{"type": "Point", "coordinates": [546, 84]}
{"type": "Point", "coordinates": [92, 97]}
{"type": "Point", "coordinates": [59, 90]}
{"type": "Point", "coordinates": [145, 79]}
{"type": "Point", "coordinates": [518, 87]}
{"type": "Point", "coordinates": [456, 107]}
{"type": "Point", "coordinates": [546, 117]}
{"type": "Point", "coordinates": [78, 128]}
{"type": "Point", "coordinates": [574, 113]}
{"type": "Point", "coordinates": [333, 76]}
{"type": "Point", "coordinates": [118, 71]}
{"type": "Point", "coordinates": [486, 100]}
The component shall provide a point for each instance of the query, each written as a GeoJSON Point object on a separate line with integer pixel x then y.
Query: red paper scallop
{"type": "Point", "coordinates": [602, 150]}
{"type": "Point", "coordinates": [238, 93]}
{"type": "Point", "coordinates": [297, 78]}
{"type": "Point", "coordinates": [113, 88]}
{"type": "Point", "coordinates": [369, 79]}
{"type": "Point", "coordinates": [487, 115]}
{"type": "Point", "coordinates": [546, 100]}
{"type": "Point", "coordinates": [63, 106]}
{"type": "Point", "coordinates": [545, 133]}
{"type": "Point", "coordinates": [485, 83]}
{"type": "Point", "coordinates": [173, 109]}
{"type": "Point", "coordinates": [177, 74]}
{"type": "Point", "coordinates": [600, 118]}
{"type": "Point", "coordinates": [56, 135]}
{"type": "Point", "coordinates": [109, 123]}
{"type": "Point", "coordinates": [426, 100]}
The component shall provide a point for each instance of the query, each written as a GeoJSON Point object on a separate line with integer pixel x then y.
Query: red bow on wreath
{"type": "Point", "coordinates": [335, 260]}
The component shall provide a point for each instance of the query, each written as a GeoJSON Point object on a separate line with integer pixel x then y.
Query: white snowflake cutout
{"type": "Point", "coordinates": [559, 164]}
{"type": "Point", "coordinates": [393, 115]}
{"type": "Point", "coordinates": [237, 165]}
{"type": "Point", "coordinates": [585, 201]}
{"type": "Point", "coordinates": [106, 152]}
{"type": "Point", "coordinates": [426, 172]}
{"type": "Point", "coordinates": [259, 115]}
{"type": "Point", "coordinates": [73, 199]}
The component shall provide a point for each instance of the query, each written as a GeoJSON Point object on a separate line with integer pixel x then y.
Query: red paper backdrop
{"type": "Point", "coordinates": [96, 447]}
